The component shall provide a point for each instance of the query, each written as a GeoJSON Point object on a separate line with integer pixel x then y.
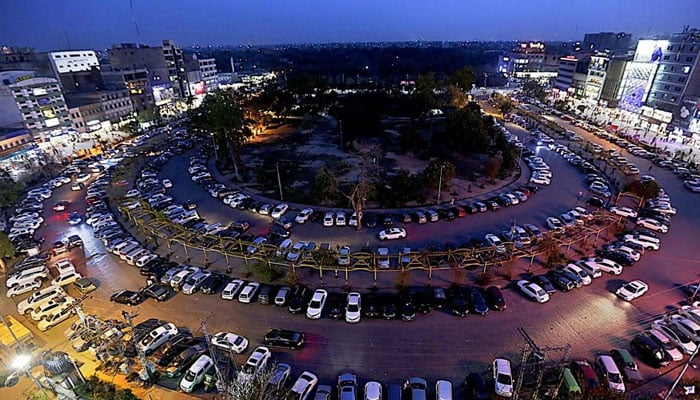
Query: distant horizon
{"type": "Point", "coordinates": [47, 25]}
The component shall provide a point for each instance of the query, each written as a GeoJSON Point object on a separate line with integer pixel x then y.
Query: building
{"type": "Point", "coordinates": [571, 77]}
{"type": "Point", "coordinates": [14, 142]}
{"type": "Point", "coordinates": [661, 85]}
{"type": "Point", "coordinates": [613, 79]}
{"type": "Point", "coordinates": [524, 60]}
{"type": "Point", "coordinates": [207, 66]}
{"type": "Point", "coordinates": [77, 71]}
{"type": "Point", "coordinates": [88, 110]}
{"type": "Point", "coordinates": [606, 42]}
{"type": "Point", "coordinates": [136, 81]}
{"type": "Point", "coordinates": [25, 59]}
{"type": "Point", "coordinates": [42, 105]}
{"type": "Point", "coordinates": [177, 74]}
{"type": "Point", "coordinates": [10, 116]}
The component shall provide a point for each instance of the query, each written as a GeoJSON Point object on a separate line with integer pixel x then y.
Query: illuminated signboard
{"type": "Point", "coordinates": [650, 50]}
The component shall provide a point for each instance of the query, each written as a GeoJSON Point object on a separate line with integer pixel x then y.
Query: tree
{"type": "Point", "coordinates": [432, 173]}
{"type": "Point", "coordinates": [221, 113]}
{"type": "Point", "coordinates": [258, 387]}
{"type": "Point", "coordinates": [7, 249]}
{"type": "Point", "coordinates": [325, 185]}
{"type": "Point", "coordinates": [492, 168]}
{"type": "Point", "coordinates": [463, 78]}
{"type": "Point", "coordinates": [9, 189]}
{"type": "Point", "coordinates": [534, 89]}
{"type": "Point", "coordinates": [423, 97]}
{"type": "Point", "coordinates": [457, 97]}
{"type": "Point", "coordinates": [96, 389]}
{"type": "Point", "coordinates": [646, 190]}
{"type": "Point", "coordinates": [503, 103]}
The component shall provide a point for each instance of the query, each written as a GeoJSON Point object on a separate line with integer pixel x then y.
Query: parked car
{"type": "Point", "coordinates": [502, 377]}
{"type": "Point", "coordinates": [284, 338]}
{"type": "Point", "coordinates": [533, 291]}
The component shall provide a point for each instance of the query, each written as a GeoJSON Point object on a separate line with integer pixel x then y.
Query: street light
{"type": "Point", "coordinates": [440, 184]}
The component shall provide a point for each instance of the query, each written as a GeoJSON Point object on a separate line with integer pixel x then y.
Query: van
{"type": "Point", "coordinates": [443, 390]}
{"type": "Point", "coordinates": [134, 255]}
{"type": "Point", "coordinates": [39, 297]}
{"type": "Point", "coordinates": [195, 375]}
{"type": "Point", "coordinates": [606, 366]}
{"type": "Point", "coordinates": [128, 249]}
{"type": "Point", "coordinates": [248, 293]}
{"type": "Point", "coordinates": [116, 249]}
{"type": "Point", "coordinates": [569, 390]}
{"type": "Point", "coordinates": [591, 268]}
{"type": "Point", "coordinates": [231, 290]}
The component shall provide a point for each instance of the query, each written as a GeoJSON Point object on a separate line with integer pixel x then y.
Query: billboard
{"type": "Point", "coordinates": [199, 88]}
{"type": "Point", "coordinates": [650, 51]}
{"type": "Point", "coordinates": [636, 82]}
{"type": "Point", "coordinates": [162, 94]}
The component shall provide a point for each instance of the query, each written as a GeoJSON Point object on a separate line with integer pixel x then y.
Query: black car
{"type": "Point", "coordinates": [544, 283]}
{"type": "Point", "coordinates": [369, 220]}
{"type": "Point", "coordinates": [389, 303]}
{"type": "Point", "coordinates": [422, 300]}
{"type": "Point", "coordinates": [240, 226]}
{"type": "Point", "coordinates": [476, 388]}
{"type": "Point", "coordinates": [212, 284]}
{"type": "Point", "coordinates": [560, 281]}
{"type": "Point", "coordinates": [387, 220]}
{"type": "Point", "coordinates": [299, 299]}
{"type": "Point", "coordinates": [278, 231]}
{"type": "Point", "coordinates": [495, 298]}
{"type": "Point", "coordinates": [127, 297]}
{"type": "Point", "coordinates": [478, 301]}
{"type": "Point", "coordinates": [184, 359]}
{"type": "Point", "coordinates": [335, 305]}
{"type": "Point", "coordinates": [446, 214]}
{"type": "Point", "coordinates": [577, 280]}
{"type": "Point", "coordinates": [155, 268]}
{"type": "Point", "coordinates": [265, 293]}
{"type": "Point", "coordinates": [458, 302]}
{"type": "Point", "coordinates": [284, 222]}
{"type": "Point", "coordinates": [285, 338]}
{"type": "Point", "coordinates": [595, 202]}
{"type": "Point", "coordinates": [405, 218]}
{"type": "Point", "coordinates": [439, 299]}
{"type": "Point", "coordinates": [407, 307]}
{"type": "Point", "coordinates": [156, 291]}
{"type": "Point", "coordinates": [649, 351]}
{"type": "Point", "coordinates": [370, 305]}
{"type": "Point", "coordinates": [620, 258]}
{"type": "Point", "coordinates": [74, 241]}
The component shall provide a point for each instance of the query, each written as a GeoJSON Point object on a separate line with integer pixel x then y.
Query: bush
{"type": "Point", "coordinates": [96, 389]}
{"type": "Point", "coordinates": [484, 279]}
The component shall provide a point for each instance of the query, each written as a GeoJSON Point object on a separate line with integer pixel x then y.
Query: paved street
{"type": "Point", "coordinates": [435, 346]}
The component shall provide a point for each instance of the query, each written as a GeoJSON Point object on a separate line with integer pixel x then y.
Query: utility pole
{"type": "Point", "coordinates": [440, 184]}
{"type": "Point", "coordinates": [146, 365]}
{"type": "Point", "coordinates": [221, 384]}
{"type": "Point", "coordinates": [279, 180]}
{"type": "Point", "coordinates": [680, 375]}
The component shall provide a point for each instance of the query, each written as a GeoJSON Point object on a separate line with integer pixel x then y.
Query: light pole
{"type": "Point", "coordinates": [440, 184]}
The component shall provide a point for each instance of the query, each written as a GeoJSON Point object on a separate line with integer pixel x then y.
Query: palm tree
{"type": "Point", "coordinates": [221, 114]}
{"type": "Point", "coordinates": [7, 249]}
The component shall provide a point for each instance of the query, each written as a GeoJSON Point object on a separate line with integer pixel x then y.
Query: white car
{"type": "Point", "coordinates": [502, 377]}
{"type": "Point", "coordinates": [167, 183]}
{"type": "Point", "coordinates": [279, 210]}
{"type": "Point", "coordinates": [540, 180]}
{"type": "Point", "coordinates": [340, 219]}
{"type": "Point", "coordinates": [691, 312]}
{"type": "Point", "coordinates": [533, 291]}
{"type": "Point", "coordinates": [606, 265]}
{"type": "Point", "coordinates": [23, 287]}
{"type": "Point", "coordinates": [66, 279]}
{"type": "Point", "coordinates": [304, 386]}
{"type": "Point", "coordinates": [652, 224]}
{"type": "Point", "coordinates": [554, 224]}
{"type": "Point", "coordinates": [55, 318]}
{"type": "Point", "coordinates": [344, 255]}
{"type": "Point", "coordinates": [303, 215]}
{"type": "Point", "coordinates": [295, 253]}
{"type": "Point", "coordinates": [632, 290]}
{"type": "Point", "coordinates": [693, 186]}
{"type": "Point", "coordinates": [392, 233]}
{"type": "Point", "coordinates": [678, 338]}
{"type": "Point", "coordinates": [133, 193]}
{"type": "Point", "coordinates": [328, 219]}
{"type": "Point", "coordinates": [316, 304]}
{"type": "Point", "coordinates": [666, 343]}
{"type": "Point", "coordinates": [230, 342]}
{"type": "Point", "coordinates": [585, 277]}
{"type": "Point", "coordinates": [495, 242]}
{"type": "Point", "coordinates": [646, 242]}
{"type": "Point", "coordinates": [256, 362]}
{"type": "Point", "coordinates": [353, 308]}
{"type": "Point", "coordinates": [49, 307]}
{"type": "Point", "coordinates": [231, 290]}
{"type": "Point", "coordinates": [623, 211]}
{"type": "Point", "coordinates": [383, 257]}
{"type": "Point", "coordinates": [687, 326]}
{"type": "Point", "coordinates": [27, 275]}
{"type": "Point", "coordinates": [155, 338]}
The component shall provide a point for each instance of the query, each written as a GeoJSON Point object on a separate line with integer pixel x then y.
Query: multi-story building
{"type": "Point", "coordinates": [571, 77]}
{"type": "Point", "coordinates": [135, 80]}
{"type": "Point", "coordinates": [606, 42]}
{"type": "Point", "coordinates": [43, 108]}
{"type": "Point", "coordinates": [524, 60]}
{"type": "Point", "coordinates": [207, 66]}
{"type": "Point", "coordinates": [175, 62]}
{"type": "Point", "coordinates": [14, 142]}
{"type": "Point", "coordinates": [88, 110]}
{"type": "Point", "coordinates": [25, 59]}
{"type": "Point", "coordinates": [77, 71]}
{"type": "Point", "coordinates": [662, 83]}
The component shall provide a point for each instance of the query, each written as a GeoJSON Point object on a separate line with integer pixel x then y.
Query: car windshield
{"type": "Point", "coordinates": [352, 308]}
{"type": "Point", "coordinates": [504, 379]}
{"type": "Point", "coordinates": [315, 304]}
{"type": "Point", "coordinates": [614, 378]}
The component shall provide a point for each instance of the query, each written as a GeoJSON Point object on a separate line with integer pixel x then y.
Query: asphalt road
{"type": "Point", "coordinates": [435, 346]}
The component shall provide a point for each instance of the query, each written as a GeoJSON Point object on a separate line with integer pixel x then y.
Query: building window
{"type": "Point", "coordinates": [669, 48]}
{"type": "Point", "coordinates": [689, 59]}
{"type": "Point", "coordinates": [666, 87]}
{"type": "Point", "coordinates": [678, 89]}
{"type": "Point", "coordinates": [666, 58]}
{"type": "Point", "coordinates": [681, 79]}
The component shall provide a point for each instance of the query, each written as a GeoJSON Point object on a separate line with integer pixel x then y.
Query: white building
{"type": "Point", "coordinates": [73, 61]}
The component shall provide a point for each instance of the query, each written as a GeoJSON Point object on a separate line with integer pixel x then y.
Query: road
{"type": "Point", "coordinates": [435, 346]}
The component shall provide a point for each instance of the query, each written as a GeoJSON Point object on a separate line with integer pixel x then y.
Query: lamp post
{"type": "Point", "coordinates": [440, 184]}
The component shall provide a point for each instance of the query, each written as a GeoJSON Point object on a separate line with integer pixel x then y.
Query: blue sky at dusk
{"type": "Point", "coordinates": [51, 24]}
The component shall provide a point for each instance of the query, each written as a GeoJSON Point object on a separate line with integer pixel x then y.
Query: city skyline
{"type": "Point", "coordinates": [98, 25]}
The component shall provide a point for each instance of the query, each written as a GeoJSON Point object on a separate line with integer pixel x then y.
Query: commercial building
{"type": "Point", "coordinates": [42, 105]}
{"type": "Point", "coordinates": [25, 59]}
{"type": "Point", "coordinates": [77, 71]}
{"type": "Point", "coordinates": [14, 142]}
{"type": "Point", "coordinates": [661, 86]}
{"type": "Point", "coordinates": [572, 74]}
{"type": "Point", "coordinates": [89, 110]}
{"type": "Point", "coordinates": [606, 42]}
{"type": "Point", "coordinates": [177, 74]}
{"type": "Point", "coordinates": [135, 81]}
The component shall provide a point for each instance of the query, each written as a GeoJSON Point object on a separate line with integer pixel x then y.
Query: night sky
{"type": "Point", "coordinates": [77, 24]}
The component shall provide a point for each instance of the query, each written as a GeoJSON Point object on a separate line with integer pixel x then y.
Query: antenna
{"type": "Point", "coordinates": [65, 34]}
